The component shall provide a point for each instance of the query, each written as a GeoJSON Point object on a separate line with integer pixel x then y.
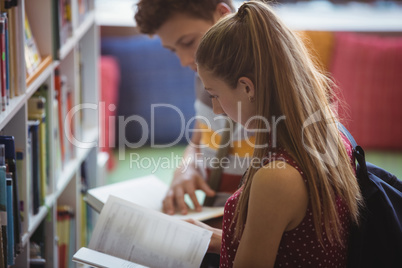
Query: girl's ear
{"type": "Point", "coordinates": [221, 10]}
{"type": "Point", "coordinates": [245, 84]}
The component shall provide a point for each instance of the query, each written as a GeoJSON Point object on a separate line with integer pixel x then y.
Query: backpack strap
{"type": "Point", "coordinates": [358, 152]}
{"type": "Point", "coordinates": [347, 134]}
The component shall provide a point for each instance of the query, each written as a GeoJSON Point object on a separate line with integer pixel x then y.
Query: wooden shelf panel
{"type": "Point", "coordinates": [41, 73]}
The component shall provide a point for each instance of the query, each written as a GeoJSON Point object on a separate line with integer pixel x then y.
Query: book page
{"type": "Point", "coordinates": [148, 192]}
{"type": "Point", "coordinates": [206, 214]}
{"type": "Point", "coordinates": [140, 235]}
{"type": "Point", "coordinates": [97, 259]}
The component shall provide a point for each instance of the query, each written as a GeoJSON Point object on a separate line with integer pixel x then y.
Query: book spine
{"type": "Point", "coordinates": [2, 64]}
{"type": "Point", "coordinates": [85, 212]}
{"type": "Point", "coordinates": [36, 111]}
{"type": "Point", "coordinates": [22, 189]}
{"type": "Point", "coordinates": [2, 264]}
{"type": "Point", "coordinates": [65, 22]}
{"type": "Point", "coordinates": [10, 221]}
{"type": "Point", "coordinates": [29, 181]}
{"type": "Point", "coordinates": [44, 92]}
{"type": "Point", "coordinates": [69, 106]}
{"type": "Point", "coordinates": [10, 47]}
{"type": "Point", "coordinates": [64, 214]}
{"type": "Point", "coordinates": [56, 137]}
{"type": "Point", "coordinates": [3, 204]}
{"type": "Point", "coordinates": [64, 110]}
{"type": "Point", "coordinates": [55, 28]}
{"type": "Point", "coordinates": [42, 160]}
{"type": "Point", "coordinates": [59, 96]}
{"type": "Point", "coordinates": [35, 165]}
{"type": "Point", "coordinates": [10, 159]}
{"type": "Point", "coordinates": [32, 56]}
{"type": "Point", "coordinates": [71, 239]}
{"type": "Point", "coordinates": [16, 38]}
{"type": "Point", "coordinates": [7, 56]}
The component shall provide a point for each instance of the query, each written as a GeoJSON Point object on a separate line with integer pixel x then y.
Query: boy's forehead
{"type": "Point", "coordinates": [181, 22]}
{"type": "Point", "coordinates": [179, 25]}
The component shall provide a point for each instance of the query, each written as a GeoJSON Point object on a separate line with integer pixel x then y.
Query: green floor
{"type": "Point", "coordinates": [162, 162]}
{"type": "Point", "coordinates": [144, 161]}
{"type": "Point", "coordinates": [391, 161]}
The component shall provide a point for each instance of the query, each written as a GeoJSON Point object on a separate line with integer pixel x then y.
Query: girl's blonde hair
{"type": "Point", "coordinates": [256, 44]}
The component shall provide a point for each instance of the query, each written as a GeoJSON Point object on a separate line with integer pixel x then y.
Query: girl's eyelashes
{"type": "Point", "coordinates": [213, 96]}
{"type": "Point", "coordinates": [188, 44]}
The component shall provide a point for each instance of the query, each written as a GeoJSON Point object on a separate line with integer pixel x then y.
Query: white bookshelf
{"type": "Point", "coordinates": [64, 184]}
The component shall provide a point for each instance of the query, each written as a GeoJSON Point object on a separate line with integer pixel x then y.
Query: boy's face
{"type": "Point", "coordinates": [182, 34]}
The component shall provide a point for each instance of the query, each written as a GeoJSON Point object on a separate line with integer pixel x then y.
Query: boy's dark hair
{"type": "Point", "coordinates": [151, 14]}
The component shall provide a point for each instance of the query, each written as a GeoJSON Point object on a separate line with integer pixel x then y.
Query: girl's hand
{"type": "Point", "coordinates": [216, 239]}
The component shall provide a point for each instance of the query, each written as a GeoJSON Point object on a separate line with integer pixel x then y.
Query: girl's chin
{"type": "Point", "coordinates": [248, 127]}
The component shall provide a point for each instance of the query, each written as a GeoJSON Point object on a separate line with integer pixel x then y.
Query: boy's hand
{"type": "Point", "coordinates": [185, 183]}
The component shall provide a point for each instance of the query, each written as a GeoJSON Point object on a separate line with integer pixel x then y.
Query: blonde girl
{"type": "Point", "coordinates": [300, 195]}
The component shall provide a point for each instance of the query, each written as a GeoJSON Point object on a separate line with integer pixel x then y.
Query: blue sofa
{"type": "Point", "coordinates": [150, 75]}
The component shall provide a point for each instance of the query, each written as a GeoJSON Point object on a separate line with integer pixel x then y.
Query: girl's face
{"type": "Point", "coordinates": [237, 103]}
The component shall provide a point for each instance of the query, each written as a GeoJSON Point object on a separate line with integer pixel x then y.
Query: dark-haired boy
{"type": "Point", "coordinates": [180, 24]}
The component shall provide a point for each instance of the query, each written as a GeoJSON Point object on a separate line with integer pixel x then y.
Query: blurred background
{"type": "Point", "coordinates": [359, 43]}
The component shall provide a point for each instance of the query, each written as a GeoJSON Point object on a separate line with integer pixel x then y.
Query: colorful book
{"type": "Point", "coordinates": [37, 111]}
{"type": "Point", "coordinates": [33, 129]}
{"type": "Point", "coordinates": [32, 56]}
{"type": "Point", "coordinates": [10, 221]}
{"type": "Point", "coordinates": [2, 264]}
{"type": "Point", "coordinates": [55, 28]}
{"type": "Point", "coordinates": [65, 102]}
{"type": "Point", "coordinates": [29, 180]}
{"type": "Point", "coordinates": [6, 55]}
{"type": "Point", "coordinates": [3, 203]}
{"type": "Point", "coordinates": [13, 47]}
{"type": "Point", "coordinates": [59, 96]}
{"type": "Point", "coordinates": [44, 93]}
{"type": "Point", "coordinates": [58, 164]}
{"type": "Point", "coordinates": [85, 217]}
{"type": "Point", "coordinates": [65, 214]}
{"type": "Point", "coordinates": [10, 159]}
{"type": "Point", "coordinates": [70, 153]}
{"type": "Point", "coordinates": [83, 8]}
{"type": "Point", "coordinates": [22, 189]}
{"type": "Point", "coordinates": [72, 240]}
{"type": "Point", "coordinates": [65, 21]}
{"type": "Point", "coordinates": [3, 68]}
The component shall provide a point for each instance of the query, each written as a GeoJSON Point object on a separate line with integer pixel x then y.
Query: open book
{"type": "Point", "coordinates": [148, 192]}
{"type": "Point", "coordinates": [127, 235]}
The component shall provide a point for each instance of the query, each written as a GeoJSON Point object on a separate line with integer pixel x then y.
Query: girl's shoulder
{"type": "Point", "coordinates": [277, 174]}
{"type": "Point", "coordinates": [279, 189]}
{"type": "Point", "coordinates": [277, 180]}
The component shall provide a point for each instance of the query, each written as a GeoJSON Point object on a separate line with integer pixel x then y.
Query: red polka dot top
{"type": "Point", "coordinates": [299, 247]}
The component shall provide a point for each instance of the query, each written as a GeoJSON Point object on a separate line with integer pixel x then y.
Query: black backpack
{"type": "Point", "coordinates": [377, 241]}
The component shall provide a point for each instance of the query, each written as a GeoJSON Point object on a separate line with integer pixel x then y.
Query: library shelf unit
{"type": "Point", "coordinates": [76, 61]}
